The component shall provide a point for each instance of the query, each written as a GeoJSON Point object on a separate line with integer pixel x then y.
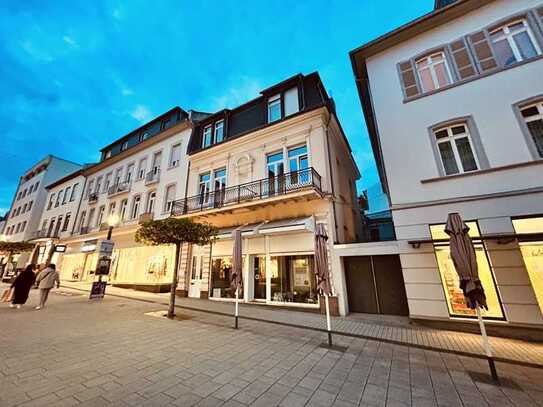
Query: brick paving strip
{"type": "Point", "coordinates": [505, 350]}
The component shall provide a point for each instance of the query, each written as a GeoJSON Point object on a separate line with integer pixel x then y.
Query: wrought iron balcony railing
{"type": "Point", "coordinates": [152, 176]}
{"type": "Point", "coordinates": [119, 188]}
{"type": "Point", "coordinates": [93, 197]}
{"type": "Point", "coordinates": [45, 233]}
{"type": "Point", "coordinates": [262, 189]}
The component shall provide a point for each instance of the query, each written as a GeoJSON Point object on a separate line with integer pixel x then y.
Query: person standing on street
{"type": "Point", "coordinates": [21, 286]}
{"type": "Point", "coordinates": [45, 281]}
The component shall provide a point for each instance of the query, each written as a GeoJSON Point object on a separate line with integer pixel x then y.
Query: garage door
{"type": "Point", "coordinates": [375, 285]}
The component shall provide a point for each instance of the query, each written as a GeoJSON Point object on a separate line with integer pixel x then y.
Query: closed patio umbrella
{"type": "Point", "coordinates": [322, 273]}
{"type": "Point", "coordinates": [465, 262]}
{"type": "Point", "coordinates": [236, 282]}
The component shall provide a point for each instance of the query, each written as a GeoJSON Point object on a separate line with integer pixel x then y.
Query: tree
{"type": "Point", "coordinates": [175, 231]}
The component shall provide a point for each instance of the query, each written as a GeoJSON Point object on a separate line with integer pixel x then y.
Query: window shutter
{"type": "Point", "coordinates": [462, 60]}
{"type": "Point", "coordinates": [482, 51]}
{"type": "Point", "coordinates": [408, 79]}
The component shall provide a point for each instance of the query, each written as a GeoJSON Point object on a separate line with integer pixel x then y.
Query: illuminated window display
{"type": "Point", "coordinates": [454, 295]}
{"type": "Point", "coordinates": [221, 273]}
{"type": "Point", "coordinates": [293, 279]}
{"type": "Point", "coordinates": [532, 253]}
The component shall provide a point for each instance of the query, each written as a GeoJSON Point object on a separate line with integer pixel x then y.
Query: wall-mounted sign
{"type": "Point", "coordinates": [60, 248]}
{"type": "Point", "coordinates": [106, 247]}
{"type": "Point", "coordinates": [89, 246]}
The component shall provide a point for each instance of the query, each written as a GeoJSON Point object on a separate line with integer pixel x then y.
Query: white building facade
{"type": "Point", "coordinates": [454, 107]}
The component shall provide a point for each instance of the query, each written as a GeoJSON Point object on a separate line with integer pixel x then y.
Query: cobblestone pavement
{"type": "Point", "coordinates": [393, 331]}
{"type": "Point", "coordinates": [77, 352]}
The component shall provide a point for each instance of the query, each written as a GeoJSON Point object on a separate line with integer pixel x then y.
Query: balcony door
{"type": "Point", "coordinates": [219, 177]}
{"type": "Point", "coordinates": [276, 173]}
{"type": "Point", "coordinates": [204, 189]}
{"type": "Point", "coordinates": [298, 166]}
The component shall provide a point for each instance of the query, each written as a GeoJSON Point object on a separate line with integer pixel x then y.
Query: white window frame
{"type": "Point", "coordinates": [135, 210]}
{"type": "Point", "coordinates": [173, 161]}
{"type": "Point", "coordinates": [142, 168]}
{"type": "Point", "coordinates": [151, 202]}
{"type": "Point", "coordinates": [218, 124]}
{"type": "Point", "coordinates": [210, 128]}
{"type": "Point", "coordinates": [508, 36]}
{"type": "Point", "coordinates": [431, 68]}
{"type": "Point", "coordinates": [169, 200]}
{"type": "Point", "coordinates": [272, 101]}
{"type": "Point", "coordinates": [539, 106]}
{"type": "Point", "coordinates": [123, 209]}
{"type": "Point", "coordinates": [451, 138]}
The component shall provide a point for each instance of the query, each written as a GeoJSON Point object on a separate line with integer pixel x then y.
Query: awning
{"type": "Point", "coordinates": [276, 226]}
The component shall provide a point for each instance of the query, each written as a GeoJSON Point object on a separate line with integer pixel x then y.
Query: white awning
{"type": "Point", "coordinates": [273, 227]}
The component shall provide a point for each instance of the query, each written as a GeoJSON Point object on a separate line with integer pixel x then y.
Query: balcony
{"type": "Point", "coordinates": [45, 234]}
{"type": "Point", "coordinates": [152, 177]}
{"type": "Point", "coordinates": [266, 188]}
{"type": "Point", "coordinates": [145, 217]}
{"type": "Point", "coordinates": [93, 197]}
{"type": "Point", "coordinates": [117, 189]}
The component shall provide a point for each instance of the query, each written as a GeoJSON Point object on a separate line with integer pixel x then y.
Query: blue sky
{"type": "Point", "coordinates": [76, 75]}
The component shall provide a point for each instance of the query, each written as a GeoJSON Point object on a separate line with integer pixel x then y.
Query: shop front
{"type": "Point", "coordinates": [277, 265]}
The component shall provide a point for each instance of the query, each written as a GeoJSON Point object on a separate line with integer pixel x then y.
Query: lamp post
{"type": "Point", "coordinates": [112, 221]}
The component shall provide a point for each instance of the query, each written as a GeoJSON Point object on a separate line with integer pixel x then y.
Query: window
{"type": "Point", "coordinates": [36, 186]}
{"type": "Point", "coordinates": [433, 72]}
{"type": "Point", "coordinates": [451, 284]}
{"type": "Point", "coordinates": [276, 171]}
{"type": "Point", "coordinates": [107, 154]}
{"type": "Point", "coordinates": [59, 224]}
{"type": "Point", "coordinates": [533, 117]}
{"type": "Point", "coordinates": [23, 225]}
{"type": "Point", "coordinates": [91, 216]}
{"type": "Point", "coordinates": [100, 217]}
{"type": "Point", "coordinates": [118, 175]}
{"type": "Point", "coordinates": [24, 208]}
{"type": "Point", "coordinates": [169, 198]}
{"type": "Point", "coordinates": [293, 279]}
{"type": "Point", "coordinates": [18, 211]}
{"type": "Point", "coordinates": [157, 161]}
{"type": "Point", "coordinates": [292, 104]}
{"type": "Point", "coordinates": [124, 146]}
{"type": "Point", "coordinates": [204, 186]}
{"type": "Point", "coordinates": [66, 222]}
{"type": "Point", "coordinates": [82, 220]}
{"type": "Point", "coordinates": [219, 131]}
{"type": "Point", "coordinates": [513, 43]}
{"type": "Point", "coordinates": [455, 149]}
{"type": "Point", "coordinates": [111, 210]}
{"type": "Point", "coordinates": [143, 136]}
{"type": "Point", "coordinates": [44, 225]}
{"type": "Point", "coordinates": [98, 185]}
{"type": "Point", "coordinates": [207, 138]}
{"type": "Point", "coordinates": [532, 252]}
{"type": "Point", "coordinates": [219, 177]}
{"type": "Point", "coordinates": [51, 200]}
{"type": "Point", "coordinates": [298, 163]}
{"type": "Point", "coordinates": [107, 184]}
{"type": "Point", "coordinates": [175, 156]}
{"type": "Point", "coordinates": [151, 197]}
{"type": "Point", "coordinates": [274, 108]}
{"type": "Point", "coordinates": [135, 207]}
{"type": "Point", "coordinates": [66, 195]}
{"type": "Point", "coordinates": [129, 172]}
{"type": "Point", "coordinates": [74, 192]}
{"type": "Point", "coordinates": [221, 272]}
{"type": "Point", "coordinates": [59, 199]}
{"type": "Point", "coordinates": [123, 208]}
{"type": "Point", "coordinates": [90, 188]}
{"type": "Point", "coordinates": [30, 205]}
{"type": "Point", "coordinates": [142, 168]}
{"type": "Point", "coordinates": [18, 228]}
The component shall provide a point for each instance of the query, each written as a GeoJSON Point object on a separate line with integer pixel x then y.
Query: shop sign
{"type": "Point", "coordinates": [60, 248]}
{"type": "Point", "coordinates": [106, 247]}
{"type": "Point", "coordinates": [98, 290]}
{"type": "Point", "coordinates": [88, 246]}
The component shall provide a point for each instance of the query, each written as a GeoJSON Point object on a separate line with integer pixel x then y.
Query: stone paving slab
{"type": "Point", "coordinates": [77, 352]}
{"type": "Point", "coordinates": [443, 340]}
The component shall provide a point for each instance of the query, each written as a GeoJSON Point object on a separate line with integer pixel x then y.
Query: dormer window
{"type": "Point", "coordinates": [208, 135]}
{"type": "Point", "coordinates": [108, 154]}
{"type": "Point", "coordinates": [124, 146]}
{"type": "Point", "coordinates": [433, 72]}
{"type": "Point", "coordinates": [513, 43]}
{"type": "Point", "coordinates": [143, 136]}
{"type": "Point", "coordinates": [219, 131]}
{"type": "Point", "coordinates": [274, 108]}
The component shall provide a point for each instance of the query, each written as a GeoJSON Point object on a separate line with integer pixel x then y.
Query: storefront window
{"type": "Point", "coordinates": [293, 279]}
{"type": "Point", "coordinates": [221, 273]}
{"type": "Point", "coordinates": [451, 284]}
{"type": "Point", "coordinates": [532, 252]}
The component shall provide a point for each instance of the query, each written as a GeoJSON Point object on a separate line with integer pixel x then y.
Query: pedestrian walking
{"type": "Point", "coordinates": [21, 286]}
{"type": "Point", "coordinates": [45, 281]}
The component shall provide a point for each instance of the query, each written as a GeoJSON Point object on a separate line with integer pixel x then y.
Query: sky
{"type": "Point", "coordinates": [76, 75]}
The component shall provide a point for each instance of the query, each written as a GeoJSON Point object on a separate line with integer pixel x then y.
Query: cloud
{"type": "Point", "coordinates": [38, 53]}
{"type": "Point", "coordinates": [141, 113]}
{"type": "Point", "coordinates": [70, 41]}
{"type": "Point", "coordinates": [242, 91]}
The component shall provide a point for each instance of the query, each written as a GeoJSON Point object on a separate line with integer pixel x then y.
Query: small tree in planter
{"type": "Point", "coordinates": [175, 231]}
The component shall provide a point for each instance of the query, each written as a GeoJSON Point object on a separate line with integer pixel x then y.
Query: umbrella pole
{"type": "Point", "coordinates": [328, 325]}
{"type": "Point", "coordinates": [237, 309]}
{"type": "Point", "coordinates": [486, 345]}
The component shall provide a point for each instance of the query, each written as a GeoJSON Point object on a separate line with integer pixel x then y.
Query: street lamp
{"type": "Point", "coordinates": [112, 221]}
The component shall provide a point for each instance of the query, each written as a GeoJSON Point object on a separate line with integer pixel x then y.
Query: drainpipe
{"type": "Point", "coordinates": [331, 177]}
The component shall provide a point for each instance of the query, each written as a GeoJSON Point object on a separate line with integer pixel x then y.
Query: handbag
{"type": "Point", "coordinates": [7, 295]}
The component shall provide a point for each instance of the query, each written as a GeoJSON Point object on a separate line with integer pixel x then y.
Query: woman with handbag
{"type": "Point", "coordinates": [46, 281]}
{"type": "Point", "coordinates": [21, 286]}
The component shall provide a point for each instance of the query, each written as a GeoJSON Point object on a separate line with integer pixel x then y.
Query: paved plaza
{"type": "Point", "coordinates": [110, 352]}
